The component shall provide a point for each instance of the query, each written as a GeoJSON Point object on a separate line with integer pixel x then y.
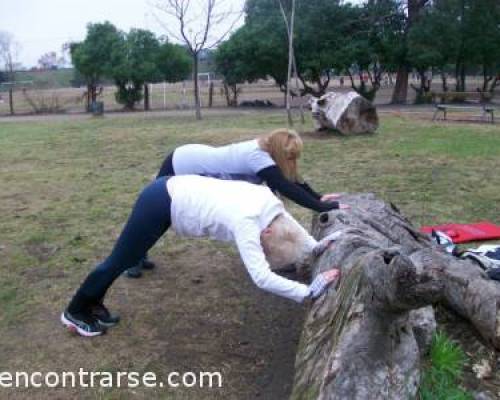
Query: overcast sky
{"type": "Point", "coordinates": [41, 26]}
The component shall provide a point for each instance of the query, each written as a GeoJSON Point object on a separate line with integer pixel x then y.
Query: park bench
{"type": "Point", "coordinates": [485, 109]}
{"type": "Point", "coordinates": [473, 101]}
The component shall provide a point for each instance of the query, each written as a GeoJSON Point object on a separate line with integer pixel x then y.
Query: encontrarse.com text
{"type": "Point", "coordinates": [91, 379]}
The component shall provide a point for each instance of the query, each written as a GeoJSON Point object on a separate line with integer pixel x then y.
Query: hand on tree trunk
{"type": "Point", "coordinates": [330, 197]}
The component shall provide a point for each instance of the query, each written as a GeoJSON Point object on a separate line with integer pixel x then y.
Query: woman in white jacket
{"type": "Point", "coordinates": [249, 215]}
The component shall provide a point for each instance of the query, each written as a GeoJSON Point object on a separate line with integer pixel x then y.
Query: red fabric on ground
{"type": "Point", "coordinates": [461, 233]}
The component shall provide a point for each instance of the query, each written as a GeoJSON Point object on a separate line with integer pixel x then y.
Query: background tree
{"type": "Point", "coordinates": [374, 32]}
{"type": "Point", "coordinates": [232, 61]}
{"type": "Point", "coordinates": [186, 16]}
{"type": "Point", "coordinates": [48, 60]}
{"type": "Point", "coordinates": [266, 58]}
{"type": "Point", "coordinates": [9, 52]}
{"type": "Point", "coordinates": [458, 35]}
{"type": "Point", "coordinates": [412, 10]}
{"type": "Point", "coordinates": [136, 67]}
{"type": "Point", "coordinates": [94, 58]}
{"type": "Point", "coordinates": [484, 39]}
{"type": "Point", "coordinates": [321, 31]}
{"type": "Point", "coordinates": [173, 61]}
{"type": "Point", "coordinates": [432, 45]}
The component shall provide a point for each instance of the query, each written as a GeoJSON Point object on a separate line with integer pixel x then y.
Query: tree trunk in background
{"type": "Point", "coordinates": [146, 97]}
{"type": "Point", "coordinates": [226, 93]}
{"type": "Point", "coordinates": [366, 339]}
{"type": "Point", "coordinates": [290, 64]}
{"type": "Point", "coordinates": [11, 101]}
{"type": "Point", "coordinates": [462, 78]}
{"type": "Point", "coordinates": [197, 104]}
{"type": "Point", "coordinates": [444, 81]}
{"type": "Point", "coordinates": [211, 95]}
{"type": "Point", "coordinates": [89, 96]}
{"type": "Point", "coordinates": [400, 93]}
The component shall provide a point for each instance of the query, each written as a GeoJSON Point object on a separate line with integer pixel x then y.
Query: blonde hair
{"type": "Point", "coordinates": [286, 244]}
{"type": "Point", "coordinates": [284, 146]}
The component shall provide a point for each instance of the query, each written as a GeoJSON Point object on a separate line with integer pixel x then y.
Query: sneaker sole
{"type": "Point", "coordinates": [72, 327]}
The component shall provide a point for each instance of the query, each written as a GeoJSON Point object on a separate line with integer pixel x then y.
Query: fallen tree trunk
{"type": "Point", "coordinates": [365, 338]}
{"type": "Point", "coordinates": [347, 113]}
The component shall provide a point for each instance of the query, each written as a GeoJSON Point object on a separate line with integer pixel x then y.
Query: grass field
{"type": "Point", "coordinates": [67, 186]}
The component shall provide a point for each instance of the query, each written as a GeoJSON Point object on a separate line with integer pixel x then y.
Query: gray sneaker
{"type": "Point", "coordinates": [83, 324]}
{"type": "Point", "coordinates": [135, 271]}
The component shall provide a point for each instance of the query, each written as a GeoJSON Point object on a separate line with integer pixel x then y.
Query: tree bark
{"type": "Point", "coordinates": [348, 113]}
{"type": "Point", "coordinates": [11, 101]}
{"type": "Point", "coordinates": [400, 93]}
{"type": "Point", "coordinates": [211, 95]}
{"type": "Point", "coordinates": [365, 338]}
{"type": "Point", "coordinates": [146, 97]}
{"type": "Point", "coordinates": [89, 96]}
{"type": "Point", "coordinates": [197, 104]}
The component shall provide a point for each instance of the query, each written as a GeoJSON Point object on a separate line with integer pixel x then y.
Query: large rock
{"type": "Point", "coordinates": [348, 113]}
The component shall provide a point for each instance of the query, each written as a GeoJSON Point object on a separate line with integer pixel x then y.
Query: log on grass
{"type": "Point", "coordinates": [347, 113]}
{"type": "Point", "coordinates": [366, 337]}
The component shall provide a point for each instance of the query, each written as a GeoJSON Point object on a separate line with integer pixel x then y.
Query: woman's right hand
{"type": "Point", "coordinates": [322, 281]}
{"type": "Point", "coordinates": [331, 275]}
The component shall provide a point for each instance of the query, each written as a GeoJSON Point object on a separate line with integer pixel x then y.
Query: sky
{"type": "Point", "coordinates": [40, 26]}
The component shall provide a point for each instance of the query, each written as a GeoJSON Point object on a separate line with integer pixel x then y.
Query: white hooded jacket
{"type": "Point", "coordinates": [234, 211]}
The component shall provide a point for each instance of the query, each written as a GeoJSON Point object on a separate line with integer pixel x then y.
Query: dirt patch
{"type": "Point", "coordinates": [197, 311]}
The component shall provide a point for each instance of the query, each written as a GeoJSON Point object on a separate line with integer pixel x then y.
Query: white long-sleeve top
{"type": "Point", "coordinates": [233, 211]}
{"type": "Point", "coordinates": [237, 161]}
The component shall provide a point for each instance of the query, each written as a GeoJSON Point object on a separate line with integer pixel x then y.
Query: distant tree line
{"type": "Point", "coordinates": [366, 41]}
{"type": "Point", "coordinates": [131, 60]}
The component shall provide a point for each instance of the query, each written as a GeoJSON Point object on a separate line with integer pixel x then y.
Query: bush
{"type": "Point", "coordinates": [128, 95]}
{"type": "Point", "coordinates": [43, 102]}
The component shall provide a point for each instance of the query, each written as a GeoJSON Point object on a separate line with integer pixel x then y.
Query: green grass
{"type": "Point", "coordinates": [67, 186]}
{"type": "Point", "coordinates": [442, 377]}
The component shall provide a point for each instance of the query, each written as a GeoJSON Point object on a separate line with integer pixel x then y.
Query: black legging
{"type": "Point", "coordinates": [149, 220]}
{"type": "Point", "coordinates": [167, 168]}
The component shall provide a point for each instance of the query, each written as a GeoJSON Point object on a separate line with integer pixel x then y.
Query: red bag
{"type": "Point", "coordinates": [461, 233]}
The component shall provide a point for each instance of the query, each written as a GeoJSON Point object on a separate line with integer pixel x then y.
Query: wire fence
{"type": "Point", "coordinates": [30, 99]}
{"type": "Point", "coordinates": [35, 98]}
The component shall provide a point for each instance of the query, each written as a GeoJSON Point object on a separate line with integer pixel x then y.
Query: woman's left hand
{"type": "Point", "coordinates": [330, 197]}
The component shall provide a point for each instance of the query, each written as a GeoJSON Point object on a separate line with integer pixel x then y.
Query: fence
{"type": "Point", "coordinates": [33, 98]}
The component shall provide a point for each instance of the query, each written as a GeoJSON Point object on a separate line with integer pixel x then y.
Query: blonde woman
{"type": "Point", "coordinates": [270, 158]}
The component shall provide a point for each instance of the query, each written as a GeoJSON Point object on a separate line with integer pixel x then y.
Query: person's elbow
{"type": "Point", "coordinates": [262, 280]}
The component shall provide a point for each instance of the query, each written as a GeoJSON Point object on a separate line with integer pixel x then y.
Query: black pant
{"type": "Point", "coordinates": [167, 168]}
{"type": "Point", "coordinates": [149, 220]}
